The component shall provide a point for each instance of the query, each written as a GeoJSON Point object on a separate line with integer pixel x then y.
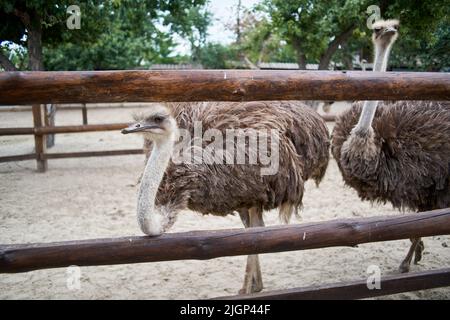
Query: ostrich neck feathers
{"type": "Point", "coordinates": [152, 219]}
{"type": "Point", "coordinates": [370, 107]}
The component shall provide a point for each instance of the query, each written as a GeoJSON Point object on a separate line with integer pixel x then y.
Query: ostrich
{"type": "Point", "coordinates": [222, 189]}
{"type": "Point", "coordinates": [397, 152]}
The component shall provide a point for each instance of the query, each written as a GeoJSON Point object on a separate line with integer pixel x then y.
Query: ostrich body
{"type": "Point", "coordinates": [397, 152]}
{"type": "Point", "coordinates": [223, 189]}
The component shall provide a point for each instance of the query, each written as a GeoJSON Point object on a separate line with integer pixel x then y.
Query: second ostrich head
{"type": "Point", "coordinates": [360, 144]}
{"type": "Point", "coordinates": [385, 32]}
{"type": "Point", "coordinates": [159, 126]}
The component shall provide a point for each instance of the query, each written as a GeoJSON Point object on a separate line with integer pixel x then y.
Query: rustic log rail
{"type": "Point", "coordinates": [218, 85]}
{"type": "Point", "coordinates": [197, 85]}
{"type": "Point", "coordinates": [212, 244]}
{"type": "Point", "coordinates": [42, 156]}
{"type": "Point", "coordinates": [62, 129]}
{"type": "Point", "coordinates": [356, 289]}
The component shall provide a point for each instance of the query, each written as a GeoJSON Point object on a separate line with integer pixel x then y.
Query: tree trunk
{"type": "Point", "coordinates": [238, 23]}
{"type": "Point", "coordinates": [33, 24]}
{"type": "Point", "coordinates": [6, 63]}
{"type": "Point", "coordinates": [301, 57]}
{"type": "Point", "coordinates": [263, 46]}
{"type": "Point", "coordinates": [348, 63]}
{"type": "Point", "coordinates": [333, 46]}
{"type": "Point", "coordinates": [248, 62]}
{"type": "Point", "coordinates": [34, 43]}
{"type": "Point", "coordinates": [36, 63]}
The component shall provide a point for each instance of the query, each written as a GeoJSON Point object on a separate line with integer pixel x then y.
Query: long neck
{"type": "Point", "coordinates": [370, 107]}
{"type": "Point", "coordinates": [382, 52]}
{"type": "Point", "coordinates": [151, 221]}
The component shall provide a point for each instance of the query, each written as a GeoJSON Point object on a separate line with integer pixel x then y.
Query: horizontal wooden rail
{"type": "Point", "coordinates": [21, 157]}
{"type": "Point", "coordinates": [81, 128]}
{"type": "Point", "coordinates": [19, 88]}
{"type": "Point", "coordinates": [328, 117]}
{"type": "Point", "coordinates": [356, 289]}
{"type": "Point", "coordinates": [16, 131]}
{"type": "Point", "coordinates": [83, 154]}
{"type": "Point", "coordinates": [213, 244]}
{"type": "Point", "coordinates": [62, 129]}
{"type": "Point", "coordinates": [91, 154]}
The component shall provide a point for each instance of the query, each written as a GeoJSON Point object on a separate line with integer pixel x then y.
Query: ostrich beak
{"type": "Point", "coordinates": [389, 30]}
{"type": "Point", "coordinates": [137, 127]}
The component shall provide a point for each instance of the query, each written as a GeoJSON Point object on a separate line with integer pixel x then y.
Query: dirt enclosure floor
{"type": "Point", "coordinates": [96, 198]}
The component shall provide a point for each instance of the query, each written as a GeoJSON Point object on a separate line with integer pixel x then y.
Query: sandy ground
{"type": "Point", "coordinates": [95, 198]}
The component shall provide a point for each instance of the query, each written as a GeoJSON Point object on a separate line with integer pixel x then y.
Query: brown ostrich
{"type": "Point", "coordinates": [222, 189]}
{"type": "Point", "coordinates": [397, 152]}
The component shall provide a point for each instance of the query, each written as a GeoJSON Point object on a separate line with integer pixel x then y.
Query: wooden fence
{"type": "Point", "coordinates": [219, 85]}
{"type": "Point", "coordinates": [39, 132]}
{"type": "Point", "coordinates": [203, 245]}
{"type": "Point", "coordinates": [229, 85]}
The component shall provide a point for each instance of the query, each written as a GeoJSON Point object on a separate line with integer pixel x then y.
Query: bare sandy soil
{"type": "Point", "coordinates": [96, 198]}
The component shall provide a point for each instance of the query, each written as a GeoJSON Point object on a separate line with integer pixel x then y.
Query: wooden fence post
{"type": "Point", "coordinates": [39, 139]}
{"type": "Point", "coordinates": [84, 112]}
{"type": "Point", "coordinates": [50, 111]}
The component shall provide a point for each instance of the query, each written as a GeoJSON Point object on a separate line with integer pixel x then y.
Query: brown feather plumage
{"type": "Point", "coordinates": [411, 163]}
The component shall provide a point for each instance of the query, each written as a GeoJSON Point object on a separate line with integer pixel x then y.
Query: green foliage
{"type": "Point", "coordinates": [311, 26]}
{"type": "Point", "coordinates": [122, 34]}
{"type": "Point", "coordinates": [282, 31]}
{"type": "Point", "coordinates": [260, 43]}
{"type": "Point", "coordinates": [217, 56]}
{"type": "Point", "coordinates": [424, 42]}
{"type": "Point", "coordinates": [114, 34]}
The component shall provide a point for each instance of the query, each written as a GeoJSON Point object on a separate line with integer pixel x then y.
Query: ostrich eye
{"type": "Point", "coordinates": [158, 119]}
{"type": "Point", "coordinates": [396, 27]}
{"type": "Point", "coordinates": [377, 29]}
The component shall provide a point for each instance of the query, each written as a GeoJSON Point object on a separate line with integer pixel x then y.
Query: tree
{"type": "Point", "coordinates": [315, 29]}
{"type": "Point", "coordinates": [114, 34]}
{"type": "Point", "coordinates": [261, 43]}
{"type": "Point", "coordinates": [424, 42]}
{"type": "Point", "coordinates": [217, 56]}
{"type": "Point", "coordinates": [318, 29]}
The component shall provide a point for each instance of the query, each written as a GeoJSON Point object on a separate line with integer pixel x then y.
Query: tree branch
{"type": "Point", "coordinates": [24, 17]}
{"type": "Point", "coordinates": [334, 45]}
{"type": "Point", "coordinates": [301, 57]}
{"type": "Point", "coordinates": [250, 64]}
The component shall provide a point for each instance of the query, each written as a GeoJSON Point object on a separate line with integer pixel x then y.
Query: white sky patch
{"type": "Point", "coordinates": [223, 13]}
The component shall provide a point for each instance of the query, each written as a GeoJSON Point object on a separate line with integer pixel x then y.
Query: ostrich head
{"type": "Point", "coordinates": [159, 126]}
{"type": "Point", "coordinates": [385, 32]}
{"type": "Point", "coordinates": [156, 124]}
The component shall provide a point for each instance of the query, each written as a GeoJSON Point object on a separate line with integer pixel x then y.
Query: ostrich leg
{"type": "Point", "coordinates": [417, 248]}
{"type": "Point", "coordinates": [253, 279]}
{"type": "Point", "coordinates": [418, 253]}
